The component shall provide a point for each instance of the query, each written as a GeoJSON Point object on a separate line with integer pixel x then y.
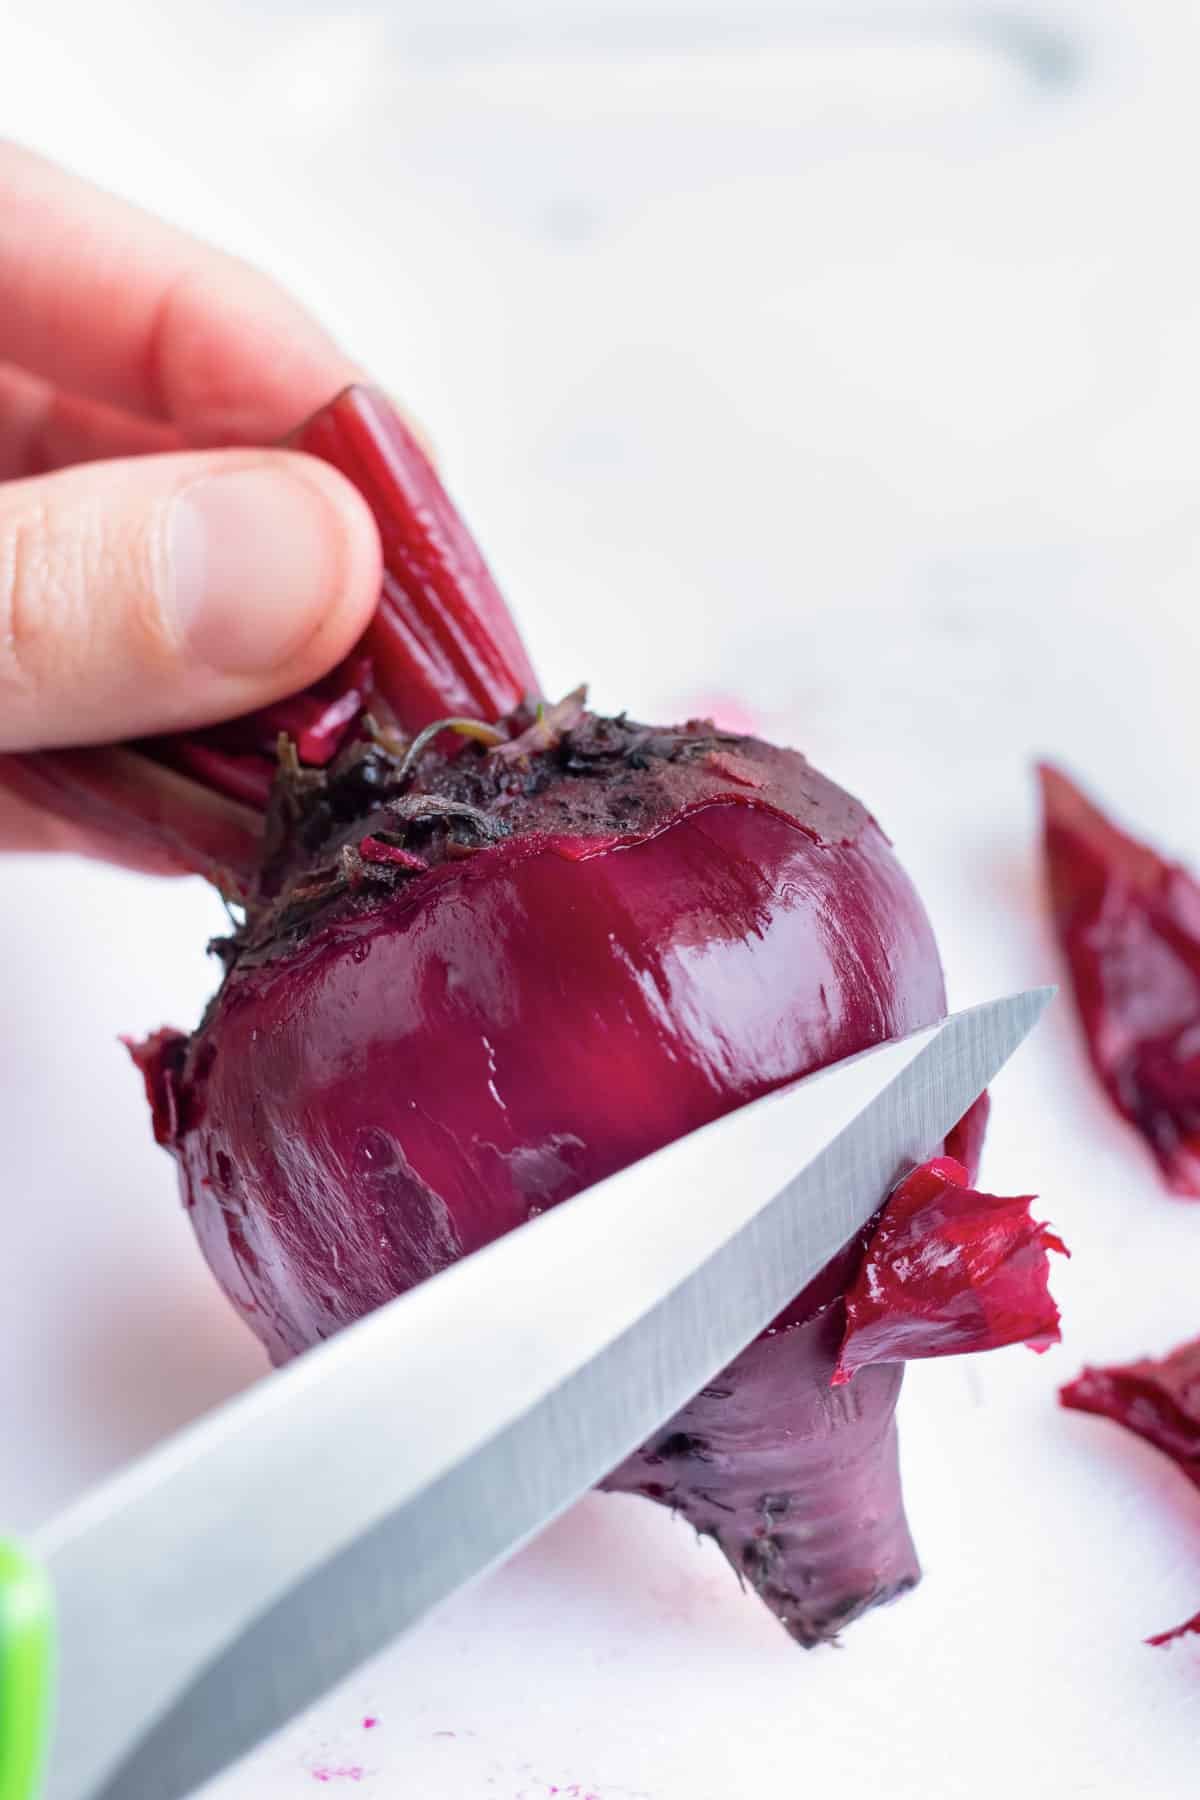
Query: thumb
{"type": "Point", "coordinates": [173, 591]}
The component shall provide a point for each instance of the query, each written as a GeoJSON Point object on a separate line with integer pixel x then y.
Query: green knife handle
{"type": "Point", "coordinates": [26, 1671]}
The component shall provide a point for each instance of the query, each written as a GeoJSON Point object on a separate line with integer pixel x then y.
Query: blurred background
{"type": "Point", "coordinates": [838, 362]}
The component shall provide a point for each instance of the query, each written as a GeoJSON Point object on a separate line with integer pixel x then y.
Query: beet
{"type": "Point", "coordinates": [483, 961]}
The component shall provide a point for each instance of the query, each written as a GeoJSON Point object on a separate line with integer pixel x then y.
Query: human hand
{"type": "Point", "coordinates": [156, 572]}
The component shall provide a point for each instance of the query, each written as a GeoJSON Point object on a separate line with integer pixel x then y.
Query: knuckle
{"type": "Point", "coordinates": [79, 604]}
{"type": "Point", "coordinates": [188, 375]}
{"type": "Point", "coordinates": [167, 329]}
{"type": "Point", "coordinates": [30, 601]}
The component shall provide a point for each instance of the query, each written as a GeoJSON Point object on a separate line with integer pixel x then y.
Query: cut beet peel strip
{"type": "Point", "coordinates": [493, 950]}
{"type": "Point", "coordinates": [1160, 1401]}
{"type": "Point", "coordinates": [1129, 924]}
{"type": "Point", "coordinates": [949, 1270]}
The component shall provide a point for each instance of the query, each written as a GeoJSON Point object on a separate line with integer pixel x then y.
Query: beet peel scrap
{"type": "Point", "coordinates": [1129, 925]}
{"type": "Point", "coordinates": [1159, 1400]}
{"type": "Point", "coordinates": [949, 1270]}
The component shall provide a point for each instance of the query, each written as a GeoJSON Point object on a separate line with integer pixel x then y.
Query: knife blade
{"type": "Point", "coordinates": [220, 1585]}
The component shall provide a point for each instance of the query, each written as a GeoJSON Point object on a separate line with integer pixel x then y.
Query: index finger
{"type": "Point", "coordinates": [107, 301]}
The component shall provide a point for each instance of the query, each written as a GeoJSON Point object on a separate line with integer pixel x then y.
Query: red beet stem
{"type": "Point", "coordinates": [443, 640]}
{"type": "Point", "coordinates": [243, 777]}
{"type": "Point", "coordinates": [143, 808]}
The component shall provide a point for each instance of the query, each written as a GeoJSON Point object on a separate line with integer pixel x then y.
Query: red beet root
{"type": "Point", "coordinates": [472, 1047]}
{"type": "Point", "coordinates": [1160, 1401]}
{"type": "Point", "coordinates": [1130, 927]}
{"type": "Point", "coordinates": [484, 967]}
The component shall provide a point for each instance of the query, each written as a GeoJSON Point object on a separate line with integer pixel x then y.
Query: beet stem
{"type": "Point", "coordinates": [443, 641]}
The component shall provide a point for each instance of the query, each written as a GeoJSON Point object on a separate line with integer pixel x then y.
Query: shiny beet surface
{"type": "Point", "coordinates": [504, 1031]}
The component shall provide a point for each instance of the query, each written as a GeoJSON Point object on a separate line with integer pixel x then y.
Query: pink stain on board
{"type": "Point", "coordinates": [552, 1791]}
{"type": "Point", "coordinates": [727, 713]}
{"type": "Point", "coordinates": [348, 1772]}
{"type": "Point", "coordinates": [369, 1724]}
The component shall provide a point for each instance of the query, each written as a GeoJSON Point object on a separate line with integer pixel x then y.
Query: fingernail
{"type": "Point", "coordinates": [255, 557]}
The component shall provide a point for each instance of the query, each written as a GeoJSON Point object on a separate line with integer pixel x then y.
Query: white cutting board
{"type": "Point", "coordinates": [853, 375]}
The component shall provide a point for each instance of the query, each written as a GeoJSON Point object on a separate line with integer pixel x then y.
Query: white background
{"type": "Point", "coordinates": [852, 372]}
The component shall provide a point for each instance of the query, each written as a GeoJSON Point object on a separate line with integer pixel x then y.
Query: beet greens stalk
{"type": "Point", "coordinates": [441, 641]}
{"type": "Point", "coordinates": [491, 951]}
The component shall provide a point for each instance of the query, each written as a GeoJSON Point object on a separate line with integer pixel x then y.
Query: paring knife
{"type": "Point", "coordinates": [201, 1597]}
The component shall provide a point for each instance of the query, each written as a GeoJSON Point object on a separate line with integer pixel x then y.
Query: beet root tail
{"type": "Point", "coordinates": [797, 1481]}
